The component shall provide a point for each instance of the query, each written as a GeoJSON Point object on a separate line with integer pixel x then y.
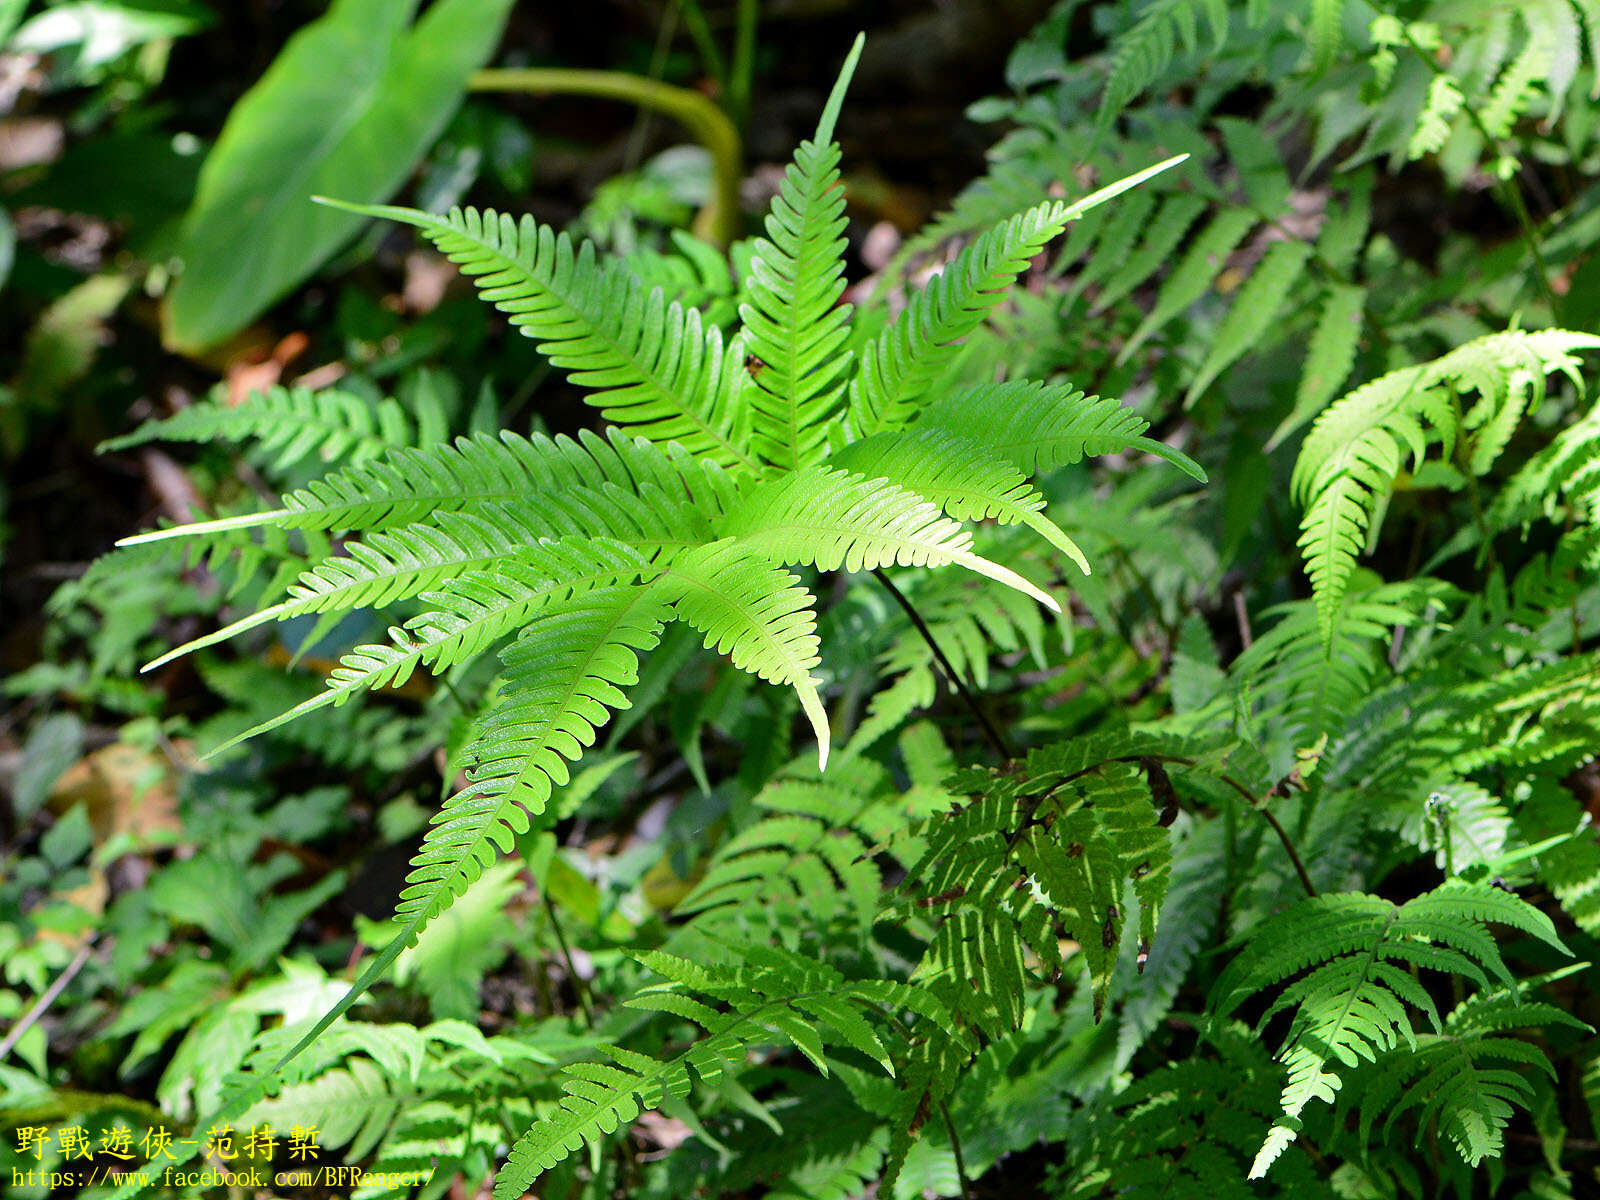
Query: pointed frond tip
{"type": "Point", "coordinates": [830, 111]}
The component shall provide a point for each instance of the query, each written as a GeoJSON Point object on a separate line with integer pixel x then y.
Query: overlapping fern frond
{"type": "Point", "coordinates": [1356, 449]}
{"type": "Point", "coordinates": [1466, 1079]}
{"type": "Point", "coordinates": [773, 998]}
{"type": "Point", "coordinates": [1358, 953]}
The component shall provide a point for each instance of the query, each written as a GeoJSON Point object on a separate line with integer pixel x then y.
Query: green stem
{"type": "Point", "coordinates": [744, 60]}
{"type": "Point", "coordinates": [718, 221]}
{"type": "Point", "coordinates": [694, 20]}
{"type": "Point", "coordinates": [579, 987]}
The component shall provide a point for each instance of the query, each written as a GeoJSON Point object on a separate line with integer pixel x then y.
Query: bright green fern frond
{"type": "Point", "coordinates": [1040, 427]}
{"type": "Point", "coordinates": [469, 614]}
{"type": "Point", "coordinates": [898, 366]}
{"type": "Point", "coordinates": [1354, 451]}
{"type": "Point", "coordinates": [793, 323]}
{"type": "Point", "coordinates": [564, 676]}
{"type": "Point", "coordinates": [967, 481]}
{"type": "Point", "coordinates": [653, 366]}
{"type": "Point", "coordinates": [832, 519]}
{"type": "Point", "coordinates": [1361, 952]}
{"type": "Point", "coordinates": [754, 613]}
{"type": "Point", "coordinates": [409, 485]}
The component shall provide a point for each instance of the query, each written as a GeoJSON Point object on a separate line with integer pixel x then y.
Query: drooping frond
{"type": "Point", "coordinates": [778, 998]}
{"type": "Point", "coordinates": [831, 519]}
{"type": "Point", "coordinates": [387, 567]}
{"type": "Point", "coordinates": [564, 676]}
{"type": "Point", "coordinates": [1076, 822]}
{"type": "Point", "coordinates": [967, 481]}
{"type": "Point", "coordinates": [1468, 1079]}
{"type": "Point", "coordinates": [1354, 452]}
{"type": "Point", "coordinates": [756, 614]}
{"type": "Point", "coordinates": [469, 614]}
{"type": "Point", "coordinates": [1314, 682]}
{"type": "Point", "coordinates": [1188, 1129]}
{"type": "Point", "coordinates": [651, 365]}
{"type": "Point", "coordinates": [1360, 952]}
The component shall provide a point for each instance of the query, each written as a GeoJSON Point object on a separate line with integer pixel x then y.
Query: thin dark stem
{"type": "Point", "coordinates": [1260, 805]}
{"type": "Point", "coordinates": [578, 984]}
{"type": "Point", "coordinates": [996, 738]}
{"type": "Point", "coordinates": [1288, 846]}
{"type": "Point", "coordinates": [955, 1148]}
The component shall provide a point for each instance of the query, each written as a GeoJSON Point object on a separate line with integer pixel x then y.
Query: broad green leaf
{"type": "Point", "coordinates": [346, 110]}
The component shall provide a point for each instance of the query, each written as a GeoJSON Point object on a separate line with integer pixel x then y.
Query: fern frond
{"type": "Point", "coordinates": [1353, 453]}
{"type": "Point", "coordinates": [831, 519]}
{"type": "Point", "coordinates": [653, 366]}
{"type": "Point", "coordinates": [898, 366]}
{"type": "Point", "coordinates": [468, 615]}
{"type": "Point", "coordinates": [810, 855]}
{"type": "Point", "coordinates": [563, 677]}
{"type": "Point", "coordinates": [778, 998]}
{"type": "Point", "coordinates": [1465, 1079]}
{"type": "Point", "coordinates": [409, 485]}
{"type": "Point", "coordinates": [1258, 302]}
{"type": "Point", "coordinates": [791, 321]}
{"type": "Point", "coordinates": [1194, 273]}
{"type": "Point", "coordinates": [968, 482]}
{"type": "Point", "coordinates": [754, 613]}
{"type": "Point", "coordinates": [288, 424]}
{"type": "Point", "coordinates": [1360, 951]}
{"type": "Point", "coordinates": [1329, 357]}
{"type": "Point", "coordinates": [1158, 239]}
{"type": "Point", "coordinates": [1141, 54]}
{"type": "Point", "coordinates": [1040, 427]}
{"type": "Point", "coordinates": [1326, 34]}
{"type": "Point", "coordinates": [1077, 822]}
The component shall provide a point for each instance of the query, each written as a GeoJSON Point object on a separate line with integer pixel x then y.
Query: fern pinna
{"type": "Point", "coordinates": [731, 461]}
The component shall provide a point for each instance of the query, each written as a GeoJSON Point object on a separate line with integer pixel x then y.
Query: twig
{"type": "Point", "coordinates": [1242, 614]}
{"type": "Point", "coordinates": [996, 738]}
{"type": "Point", "coordinates": [30, 1018]}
